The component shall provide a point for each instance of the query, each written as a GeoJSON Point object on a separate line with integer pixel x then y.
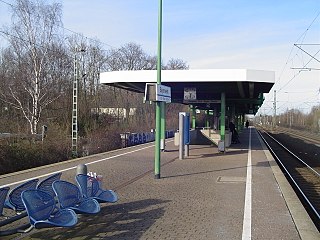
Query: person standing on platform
{"type": "Point", "coordinates": [232, 129]}
{"type": "Point", "coordinates": [247, 123]}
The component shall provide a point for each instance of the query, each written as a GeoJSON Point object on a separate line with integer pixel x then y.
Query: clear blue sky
{"type": "Point", "coordinates": [213, 34]}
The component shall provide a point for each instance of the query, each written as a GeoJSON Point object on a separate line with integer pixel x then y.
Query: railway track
{"type": "Point", "coordinates": [307, 136]}
{"type": "Point", "coordinates": [304, 177]}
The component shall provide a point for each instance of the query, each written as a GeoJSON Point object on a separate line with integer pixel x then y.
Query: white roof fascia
{"type": "Point", "coordinates": [193, 75]}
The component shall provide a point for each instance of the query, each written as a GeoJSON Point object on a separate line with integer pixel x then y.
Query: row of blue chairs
{"type": "Point", "coordinates": [14, 200]}
{"type": "Point", "coordinates": [140, 138]}
{"type": "Point", "coordinates": [40, 200]}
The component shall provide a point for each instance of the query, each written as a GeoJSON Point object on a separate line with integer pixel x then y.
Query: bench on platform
{"type": "Point", "coordinates": [69, 196]}
{"type": "Point", "coordinates": [43, 212]}
{"type": "Point", "coordinates": [14, 200]}
{"type": "Point", "coordinates": [90, 187]}
{"type": "Point", "coordinates": [46, 184]}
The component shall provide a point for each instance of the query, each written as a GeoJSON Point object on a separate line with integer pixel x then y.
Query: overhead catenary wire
{"type": "Point", "coordinates": [304, 66]}
{"type": "Point", "coordinates": [298, 39]}
{"type": "Point", "coordinates": [307, 100]}
{"type": "Point", "coordinates": [302, 36]}
{"type": "Point", "coordinates": [290, 58]}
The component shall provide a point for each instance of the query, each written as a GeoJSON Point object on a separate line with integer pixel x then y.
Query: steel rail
{"type": "Point", "coordinates": [311, 138]}
{"type": "Point", "coordinates": [295, 156]}
{"type": "Point", "coordinates": [288, 173]}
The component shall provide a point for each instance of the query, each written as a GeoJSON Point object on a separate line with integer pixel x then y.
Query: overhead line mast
{"type": "Point", "coordinates": [75, 84]}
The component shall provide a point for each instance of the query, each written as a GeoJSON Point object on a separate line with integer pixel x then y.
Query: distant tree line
{"type": "Point", "coordinates": [37, 67]}
{"type": "Point", "coordinates": [294, 118]}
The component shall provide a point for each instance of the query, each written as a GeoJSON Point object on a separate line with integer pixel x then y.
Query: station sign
{"type": "Point", "coordinates": [157, 93]}
{"type": "Point", "coordinates": [163, 93]}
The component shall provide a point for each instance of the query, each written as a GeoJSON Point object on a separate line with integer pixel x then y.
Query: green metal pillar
{"type": "Point", "coordinates": [240, 123]}
{"type": "Point", "coordinates": [193, 117]}
{"type": "Point", "coordinates": [207, 119]}
{"type": "Point", "coordinates": [215, 118]}
{"type": "Point", "coordinates": [237, 122]}
{"type": "Point", "coordinates": [163, 126]}
{"type": "Point", "coordinates": [157, 141]}
{"type": "Point", "coordinates": [233, 114]}
{"type": "Point", "coordinates": [157, 153]}
{"type": "Point", "coordinates": [223, 117]}
{"type": "Point", "coordinates": [243, 121]}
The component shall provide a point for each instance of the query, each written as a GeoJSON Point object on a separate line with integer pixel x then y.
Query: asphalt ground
{"type": "Point", "coordinates": [209, 195]}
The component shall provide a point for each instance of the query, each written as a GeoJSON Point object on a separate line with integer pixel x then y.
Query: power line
{"type": "Point", "coordinates": [298, 72]}
{"type": "Point", "coordinates": [94, 40]}
{"type": "Point", "coordinates": [302, 35]}
{"type": "Point", "coordinates": [309, 26]}
{"type": "Point", "coordinates": [296, 45]}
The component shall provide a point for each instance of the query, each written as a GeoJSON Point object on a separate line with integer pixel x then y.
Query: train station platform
{"type": "Point", "coordinates": [239, 194]}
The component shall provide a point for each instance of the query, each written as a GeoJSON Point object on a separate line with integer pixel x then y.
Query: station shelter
{"type": "Point", "coordinates": [224, 94]}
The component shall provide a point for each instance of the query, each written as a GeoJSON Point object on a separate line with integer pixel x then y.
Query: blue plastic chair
{"type": "Point", "coordinates": [46, 184]}
{"type": "Point", "coordinates": [3, 194]}
{"type": "Point", "coordinates": [14, 200]}
{"type": "Point", "coordinates": [90, 187]}
{"type": "Point", "coordinates": [69, 196]}
{"type": "Point", "coordinates": [43, 212]}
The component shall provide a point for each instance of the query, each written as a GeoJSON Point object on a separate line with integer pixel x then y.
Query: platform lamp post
{"type": "Point", "coordinates": [159, 106]}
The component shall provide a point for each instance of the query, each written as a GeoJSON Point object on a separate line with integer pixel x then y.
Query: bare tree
{"type": "Point", "coordinates": [31, 37]}
{"type": "Point", "coordinates": [176, 64]}
{"type": "Point", "coordinates": [130, 57]}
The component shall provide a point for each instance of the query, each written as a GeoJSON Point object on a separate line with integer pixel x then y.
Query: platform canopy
{"type": "Point", "coordinates": [201, 88]}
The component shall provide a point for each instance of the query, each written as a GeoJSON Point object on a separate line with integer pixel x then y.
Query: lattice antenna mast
{"type": "Point", "coordinates": [75, 104]}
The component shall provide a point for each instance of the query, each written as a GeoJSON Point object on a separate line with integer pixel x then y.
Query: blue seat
{"type": "Point", "coordinates": [46, 184]}
{"type": "Point", "coordinates": [69, 196]}
{"type": "Point", "coordinates": [43, 212]}
{"type": "Point", "coordinates": [3, 194]}
{"type": "Point", "coordinates": [90, 187]}
{"type": "Point", "coordinates": [14, 200]}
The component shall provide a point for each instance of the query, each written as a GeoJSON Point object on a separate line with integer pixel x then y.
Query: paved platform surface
{"type": "Point", "coordinates": [209, 195]}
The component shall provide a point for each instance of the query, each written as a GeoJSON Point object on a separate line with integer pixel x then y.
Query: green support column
{"type": "Point", "coordinates": [207, 119]}
{"type": "Point", "coordinates": [157, 153]}
{"type": "Point", "coordinates": [223, 117]}
{"type": "Point", "coordinates": [237, 122]}
{"type": "Point", "coordinates": [163, 126]}
{"type": "Point", "coordinates": [215, 118]}
{"type": "Point", "coordinates": [240, 127]}
{"type": "Point", "coordinates": [157, 141]}
{"type": "Point", "coordinates": [233, 113]}
{"type": "Point", "coordinates": [193, 117]}
{"type": "Point", "coordinates": [242, 123]}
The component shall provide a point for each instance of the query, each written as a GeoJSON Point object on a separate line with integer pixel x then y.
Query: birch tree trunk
{"type": "Point", "coordinates": [31, 37]}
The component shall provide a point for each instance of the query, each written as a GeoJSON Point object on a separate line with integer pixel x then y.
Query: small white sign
{"type": "Point", "coordinates": [190, 94]}
{"type": "Point", "coordinates": [163, 93]}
